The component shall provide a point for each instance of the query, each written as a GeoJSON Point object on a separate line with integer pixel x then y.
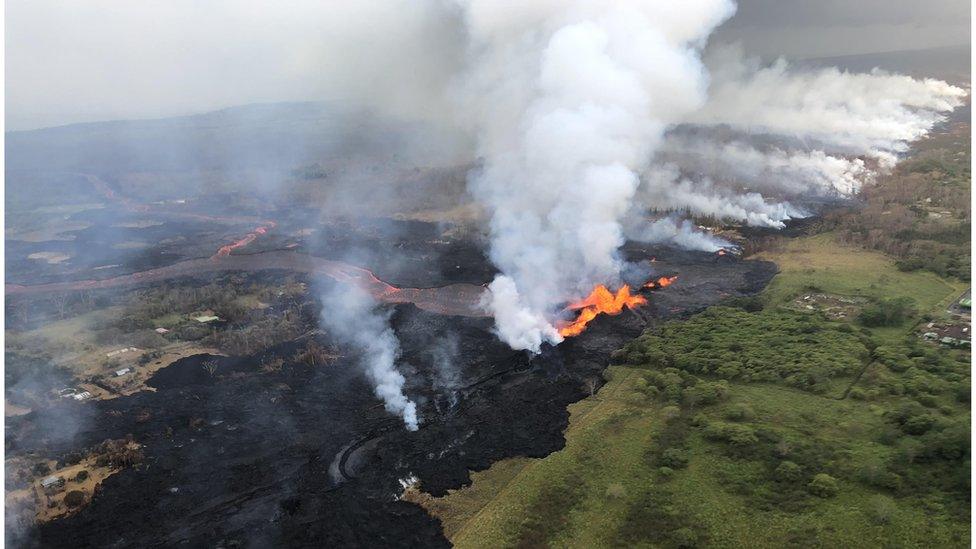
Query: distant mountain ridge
{"type": "Point", "coordinates": [264, 136]}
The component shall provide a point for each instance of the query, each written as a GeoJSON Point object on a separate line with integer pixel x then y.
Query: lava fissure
{"type": "Point", "coordinates": [225, 251]}
{"type": "Point", "coordinates": [600, 300]}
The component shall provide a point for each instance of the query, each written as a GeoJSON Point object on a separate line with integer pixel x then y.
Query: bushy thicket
{"type": "Point", "coordinates": [888, 312]}
{"type": "Point", "coordinates": [802, 350]}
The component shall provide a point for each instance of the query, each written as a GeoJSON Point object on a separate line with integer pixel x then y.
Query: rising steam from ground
{"type": "Point", "coordinates": [579, 107]}
{"type": "Point", "coordinates": [569, 100]}
{"type": "Point", "coordinates": [350, 315]}
{"type": "Point", "coordinates": [768, 134]}
{"type": "Point", "coordinates": [585, 112]}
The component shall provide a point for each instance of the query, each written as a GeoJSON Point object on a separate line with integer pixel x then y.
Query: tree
{"type": "Point", "coordinates": [823, 485]}
{"type": "Point", "coordinates": [882, 509]}
{"type": "Point", "coordinates": [591, 385]}
{"type": "Point", "coordinates": [684, 537]}
{"type": "Point", "coordinates": [60, 301]}
{"type": "Point", "coordinates": [674, 458]}
{"type": "Point", "coordinates": [210, 366]}
{"type": "Point", "coordinates": [788, 471]}
{"type": "Point", "coordinates": [74, 498]}
{"type": "Point", "coordinates": [888, 312]}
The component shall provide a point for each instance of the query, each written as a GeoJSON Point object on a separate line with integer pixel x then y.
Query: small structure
{"type": "Point", "coordinates": [954, 342]}
{"type": "Point", "coordinates": [84, 395]}
{"type": "Point", "coordinates": [203, 319]}
{"type": "Point", "coordinates": [162, 331]}
{"type": "Point", "coordinates": [52, 482]}
{"type": "Point", "coordinates": [122, 372]}
{"type": "Point", "coordinates": [120, 351]}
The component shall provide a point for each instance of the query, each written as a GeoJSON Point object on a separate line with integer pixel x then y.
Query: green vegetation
{"type": "Point", "coordinates": [919, 214]}
{"type": "Point", "coordinates": [888, 312]}
{"type": "Point", "coordinates": [801, 350]}
{"type": "Point", "coordinates": [757, 424]}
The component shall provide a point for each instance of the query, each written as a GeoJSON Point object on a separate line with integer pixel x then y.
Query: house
{"type": "Point", "coordinates": [84, 395]}
{"type": "Point", "coordinates": [162, 331]}
{"type": "Point", "coordinates": [52, 482]}
{"type": "Point", "coordinates": [122, 372]}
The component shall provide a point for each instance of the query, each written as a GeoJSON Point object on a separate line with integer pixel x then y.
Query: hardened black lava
{"type": "Point", "coordinates": [308, 457]}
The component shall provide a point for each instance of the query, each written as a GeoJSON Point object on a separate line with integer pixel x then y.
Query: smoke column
{"type": "Point", "coordinates": [794, 134]}
{"type": "Point", "coordinates": [350, 315]}
{"type": "Point", "coordinates": [569, 101]}
{"type": "Point", "coordinates": [582, 112]}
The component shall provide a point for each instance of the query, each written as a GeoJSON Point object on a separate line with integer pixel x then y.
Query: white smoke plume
{"type": "Point", "coordinates": [681, 233]}
{"type": "Point", "coordinates": [569, 101]}
{"type": "Point", "coordinates": [350, 316]}
{"type": "Point", "coordinates": [668, 191]}
{"type": "Point", "coordinates": [874, 113]}
{"type": "Point", "coordinates": [790, 172]}
{"type": "Point", "coordinates": [576, 109]}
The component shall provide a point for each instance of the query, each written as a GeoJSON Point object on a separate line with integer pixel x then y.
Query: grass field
{"type": "Point", "coordinates": [821, 262]}
{"type": "Point", "coordinates": [608, 486]}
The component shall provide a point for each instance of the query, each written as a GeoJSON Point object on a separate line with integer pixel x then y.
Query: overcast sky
{"type": "Point", "coordinates": [109, 59]}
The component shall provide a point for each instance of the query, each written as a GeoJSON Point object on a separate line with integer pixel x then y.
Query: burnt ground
{"type": "Point", "coordinates": [307, 456]}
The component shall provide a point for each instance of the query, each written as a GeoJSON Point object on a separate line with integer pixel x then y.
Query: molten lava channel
{"type": "Point", "coordinates": [602, 301]}
{"type": "Point", "coordinates": [225, 251]}
{"type": "Point", "coordinates": [662, 282]}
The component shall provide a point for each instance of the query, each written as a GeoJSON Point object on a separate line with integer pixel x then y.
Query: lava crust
{"type": "Point", "coordinates": [307, 457]}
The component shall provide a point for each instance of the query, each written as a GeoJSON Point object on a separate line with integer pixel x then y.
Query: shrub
{"type": "Point", "coordinates": [888, 312]}
{"type": "Point", "coordinates": [823, 485]}
{"type": "Point", "coordinates": [684, 537]}
{"type": "Point", "coordinates": [738, 412]}
{"type": "Point", "coordinates": [918, 425]}
{"type": "Point", "coordinates": [705, 392]}
{"type": "Point", "coordinates": [882, 509]}
{"type": "Point", "coordinates": [787, 471]}
{"type": "Point", "coordinates": [82, 476]}
{"type": "Point", "coordinates": [616, 491]}
{"type": "Point", "coordinates": [674, 458]}
{"type": "Point", "coordinates": [733, 433]}
{"type": "Point", "coordinates": [670, 413]}
{"type": "Point", "coordinates": [74, 498]}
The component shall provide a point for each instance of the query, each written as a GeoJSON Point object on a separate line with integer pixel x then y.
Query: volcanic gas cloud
{"type": "Point", "coordinates": [587, 116]}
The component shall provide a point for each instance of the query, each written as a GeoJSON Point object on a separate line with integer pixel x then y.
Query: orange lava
{"type": "Point", "coordinates": [600, 300]}
{"type": "Point", "coordinates": [225, 251]}
{"type": "Point", "coordinates": [662, 282]}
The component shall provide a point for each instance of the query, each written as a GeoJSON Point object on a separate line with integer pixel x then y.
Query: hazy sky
{"type": "Point", "coordinates": [109, 59]}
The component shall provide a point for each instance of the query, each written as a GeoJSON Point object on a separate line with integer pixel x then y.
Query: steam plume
{"type": "Point", "coordinates": [580, 109]}
{"type": "Point", "coordinates": [677, 232]}
{"type": "Point", "coordinates": [570, 100]}
{"type": "Point", "coordinates": [874, 113]}
{"type": "Point", "coordinates": [351, 317]}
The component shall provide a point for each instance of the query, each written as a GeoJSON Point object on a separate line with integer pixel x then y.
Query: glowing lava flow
{"type": "Point", "coordinates": [225, 251]}
{"type": "Point", "coordinates": [662, 282]}
{"type": "Point", "coordinates": [600, 300]}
